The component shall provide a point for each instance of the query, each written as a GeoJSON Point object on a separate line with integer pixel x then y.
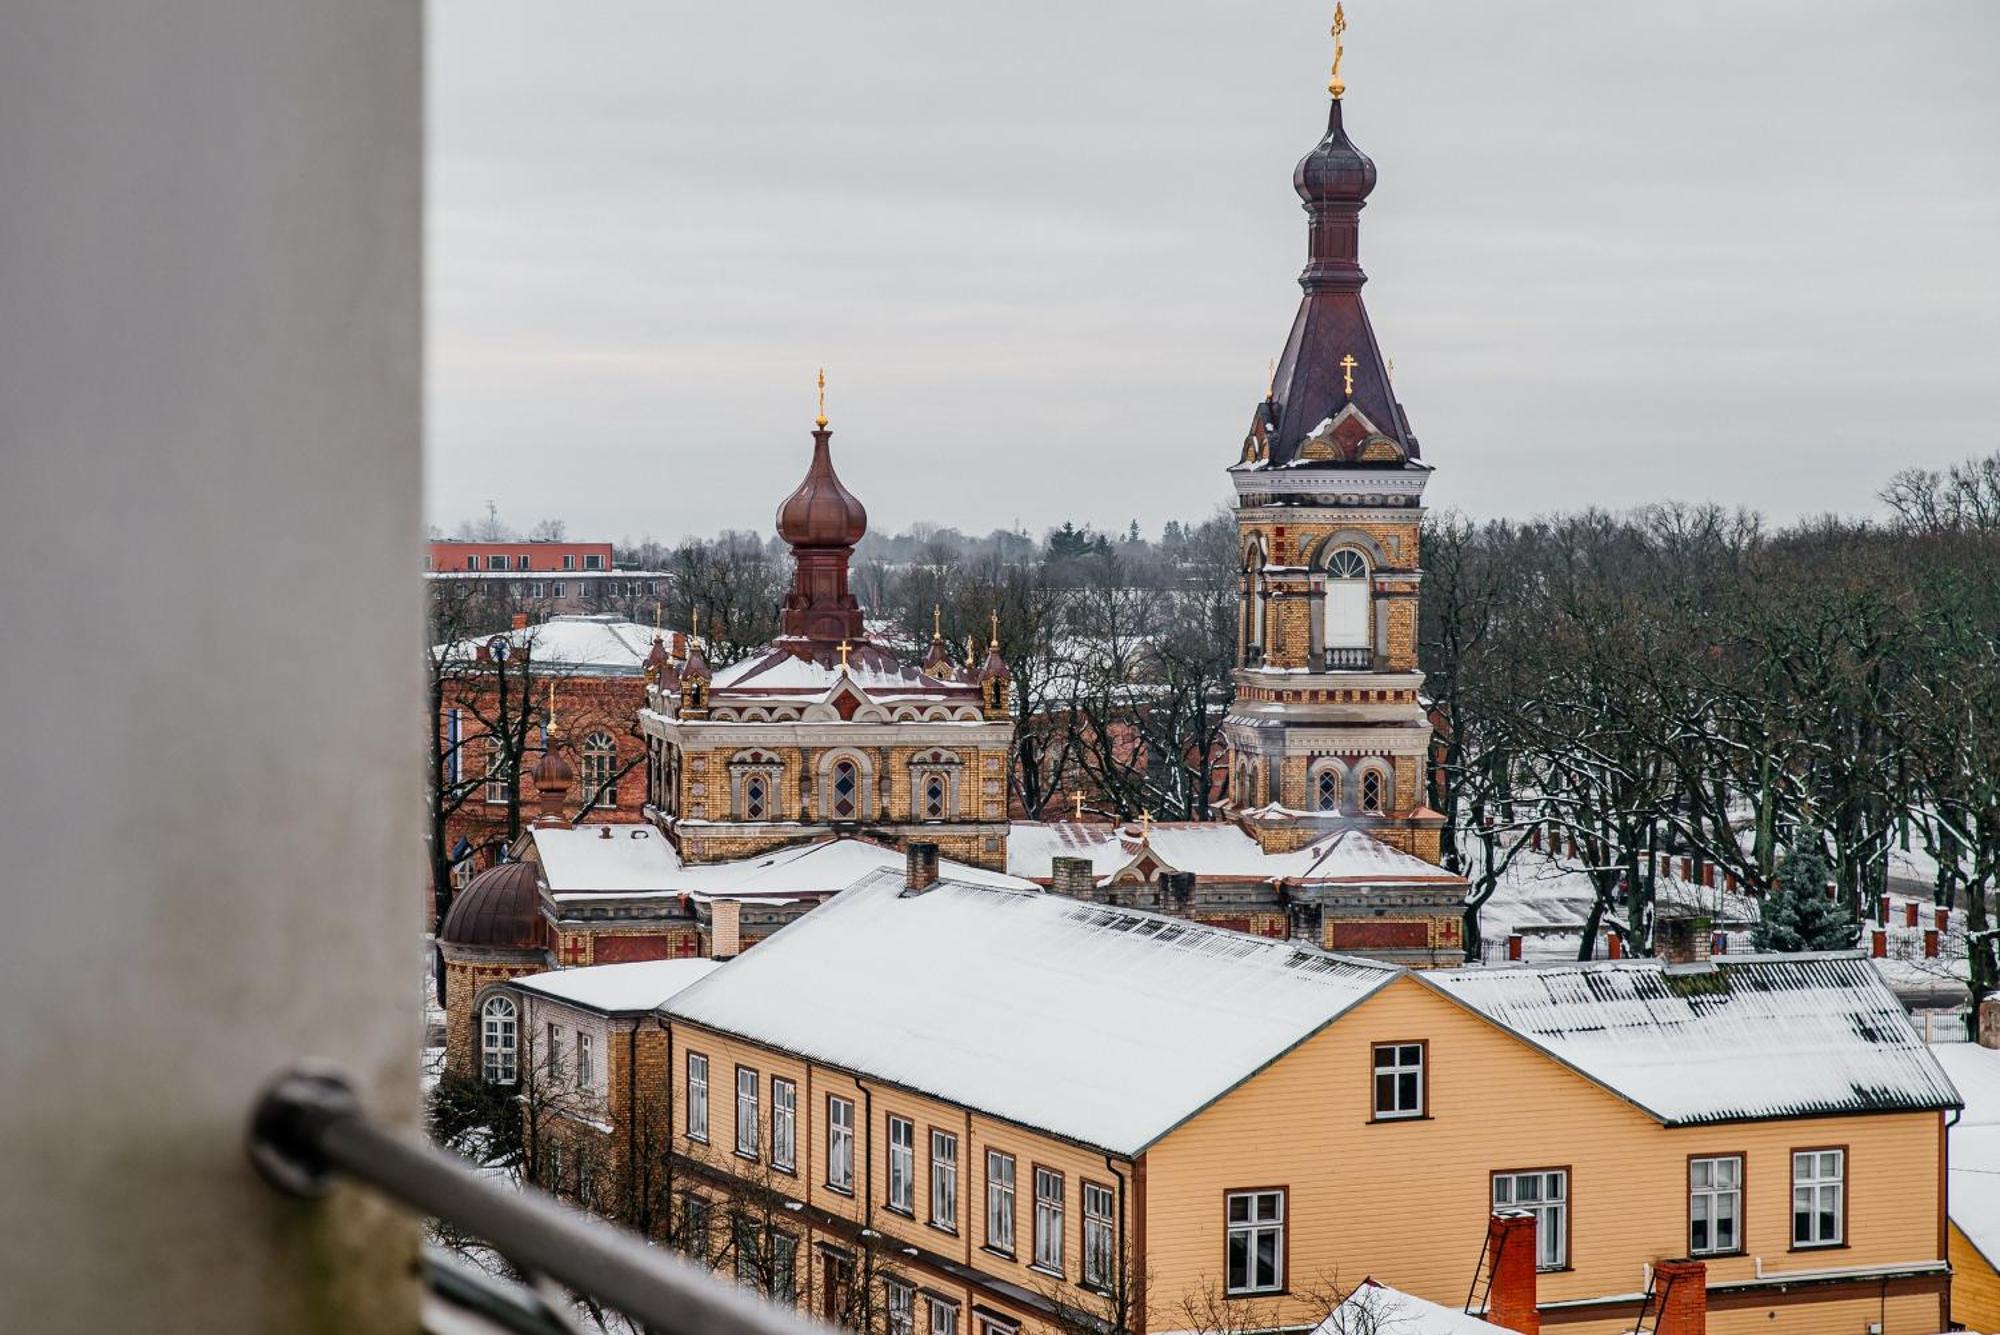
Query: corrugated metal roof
{"type": "Point", "coordinates": [1755, 1037]}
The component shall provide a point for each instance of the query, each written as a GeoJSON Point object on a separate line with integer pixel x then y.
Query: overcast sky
{"type": "Point", "coordinates": [1619, 252]}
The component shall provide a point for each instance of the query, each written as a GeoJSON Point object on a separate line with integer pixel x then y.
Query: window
{"type": "Point", "coordinates": [784, 1267]}
{"type": "Point", "coordinates": [472, 563]}
{"type": "Point", "coordinates": [1000, 1201]}
{"type": "Point", "coordinates": [944, 1180]}
{"type": "Point", "coordinates": [499, 1040]}
{"type": "Point", "coordinates": [994, 1326]}
{"type": "Point", "coordinates": [600, 764]}
{"type": "Point", "coordinates": [1544, 1194]}
{"type": "Point", "coordinates": [784, 1124]}
{"type": "Point", "coordinates": [569, 562]}
{"type": "Point", "coordinates": [1347, 601]}
{"type": "Point", "coordinates": [496, 771]}
{"type": "Point", "coordinates": [594, 561]}
{"type": "Point", "coordinates": [496, 563]}
{"type": "Point", "coordinates": [1256, 1249]}
{"type": "Point", "coordinates": [552, 1060]}
{"type": "Point", "coordinates": [746, 1112]}
{"type": "Point", "coordinates": [1326, 789]}
{"type": "Point", "coordinates": [899, 1303]}
{"type": "Point", "coordinates": [521, 563]}
{"type": "Point", "coordinates": [1371, 790]}
{"type": "Point", "coordinates": [1099, 1232]}
{"type": "Point", "coordinates": [694, 1226]}
{"type": "Point", "coordinates": [697, 1097]}
{"type": "Point", "coordinates": [1715, 1205]}
{"type": "Point", "coordinates": [454, 757]}
{"type": "Point", "coordinates": [846, 790]}
{"type": "Point", "coordinates": [1399, 1080]}
{"type": "Point", "coordinates": [840, 1143]}
{"type": "Point", "coordinates": [586, 1073]}
{"type": "Point", "coordinates": [902, 1163]}
{"type": "Point", "coordinates": [743, 1241]}
{"type": "Point", "coordinates": [1819, 1206]}
{"type": "Point", "coordinates": [557, 589]}
{"type": "Point", "coordinates": [941, 1317]}
{"type": "Point", "coordinates": [934, 797]}
{"type": "Point", "coordinates": [1049, 1219]}
{"type": "Point", "coordinates": [753, 797]}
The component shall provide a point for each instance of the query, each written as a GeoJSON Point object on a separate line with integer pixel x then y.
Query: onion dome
{"type": "Point", "coordinates": [500, 909]}
{"type": "Point", "coordinates": [552, 776]}
{"type": "Point", "coordinates": [1335, 172]}
{"type": "Point", "coordinates": [822, 512]}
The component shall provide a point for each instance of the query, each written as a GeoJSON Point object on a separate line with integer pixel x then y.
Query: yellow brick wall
{"type": "Point", "coordinates": [1396, 538]}
{"type": "Point", "coordinates": [1360, 1205]}
{"type": "Point", "coordinates": [462, 984]}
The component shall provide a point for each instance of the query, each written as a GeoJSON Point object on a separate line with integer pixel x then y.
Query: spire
{"type": "Point", "coordinates": [1335, 84]}
{"type": "Point", "coordinates": [822, 521]}
{"type": "Point", "coordinates": [552, 774]}
{"type": "Point", "coordinates": [937, 659]}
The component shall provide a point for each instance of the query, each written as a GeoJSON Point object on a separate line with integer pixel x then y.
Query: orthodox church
{"type": "Point", "coordinates": [796, 772]}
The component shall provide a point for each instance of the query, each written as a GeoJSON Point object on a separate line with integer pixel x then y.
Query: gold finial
{"type": "Point", "coordinates": [844, 647]}
{"type": "Point", "coordinates": [1337, 85]}
{"type": "Point", "coordinates": [1079, 804]}
{"type": "Point", "coordinates": [820, 421]}
{"type": "Point", "coordinates": [1146, 824]}
{"type": "Point", "coordinates": [1271, 381]}
{"type": "Point", "coordinates": [694, 632]}
{"type": "Point", "coordinates": [553, 731]}
{"type": "Point", "coordinates": [1392, 366]}
{"type": "Point", "coordinates": [1347, 365]}
{"type": "Point", "coordinates": [937, 621]}
{"type": "Point", "coordinates": [994, 617]}
{"type": "Point", "coordinates": [968, 647]}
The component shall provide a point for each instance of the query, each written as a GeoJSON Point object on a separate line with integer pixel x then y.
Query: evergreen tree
{"type": "Point", "coordinates": [1798, 914]}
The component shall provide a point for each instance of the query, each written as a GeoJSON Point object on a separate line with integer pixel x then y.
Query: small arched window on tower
{"type": "Point", "coordinates": [935, 792]}
{"type": "Point", "coordinates": [499, 1040]}
{"type": "Point", "coordinates": [1255, 606]}
{"type": "Point", "coordinates": [756, 797]}
{"type": "Point", "coordinates": [1349, 637]}
{"type": "Point", "coordinates": [600, 763]}
{"type": "Point", "coordinates": [1326, 789]}
{"type": "Point", "coordinates": [846, 790]}
{"type": "Point", "coordinates": [1371, 789]}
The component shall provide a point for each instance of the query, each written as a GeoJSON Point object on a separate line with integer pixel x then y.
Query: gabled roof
{"type": "Point", "coordinates": [619, 989]}
{"type": "Point", "coordinates": [1757, 1036]}
{"type": "Point", "coordinates": [1214, 849]}
{"type": "Point", "coordinates": [586, 646]}
{"type": "Point", "coordinates": [1101, 1025]}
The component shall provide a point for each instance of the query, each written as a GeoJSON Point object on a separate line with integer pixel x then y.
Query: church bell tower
{"type": "Point", "coordinates": [1326, 730]}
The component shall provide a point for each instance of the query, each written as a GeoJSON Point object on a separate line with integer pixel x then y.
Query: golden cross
{"type": "Point", "coordinates": [1336, 85]}
{"type": "Point", "coordinates": [1347, 365]}
{"type": "Point", "coordinates": [843, 653]}
{"type": "Point", "coordinates": [1271, 380]}
{"type": "Point", "coordinates": [1079, 804]}
{"type": "Point", "coordinates": [937, 621]}
{"type": "Point", "coordinates": [820, 421]}
{"type": "Point", "coordinates": [1146, 823]}
{"type": "Point", "coordinates": [994, 617]}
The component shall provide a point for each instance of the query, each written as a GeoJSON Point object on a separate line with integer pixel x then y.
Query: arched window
{"type": "Point", "coordinates": [1326, 789]}
{"type": "Point", "coordinates": [846, 790]}
{"type": "Point", "coordinates": [1347, 604]}
{"type": "Point", "coordinates": [1371, 789]}
{"type": "Point", "coordinates": [755, 798]}
{"type": "Point", "coordinates": [499, 1040]}
{"type": "Point", "coordinates": [600, 762]}
{"type": "Point", "coordinates": [1254, 633]}
{"type": "Point", "coordinates": [934, 797]}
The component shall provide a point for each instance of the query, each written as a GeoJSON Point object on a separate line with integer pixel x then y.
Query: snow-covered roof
{"type": "Point", "coordinates": [587, 645]}
{"type": "Point", "coordinates": [644, 985]}
{"type": "Point", "coordinates": [1757, 1036]}
{"type": "Point", "coordinates": [635, 859]}
{"type": "Point", "coordinates": [1377, 1309]}
{"type": "Point", "coordinates": [1974, 1179]}
{"type": "Point", "coordinates": [789, 668]}
{"type": "Point", "coordinates": [1212, 848]}
{"type": "Point", "coordinates": [1106, 1026]}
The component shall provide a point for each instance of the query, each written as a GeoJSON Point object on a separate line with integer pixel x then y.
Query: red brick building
{"type": "Point", "coordinates": [533, 557]}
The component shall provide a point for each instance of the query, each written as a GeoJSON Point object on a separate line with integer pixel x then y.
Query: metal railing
{"type": "Point", "coordinates": [309, 1130]}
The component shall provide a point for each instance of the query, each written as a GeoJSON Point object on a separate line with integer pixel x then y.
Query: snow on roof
{"type": "Point", "coordinates": [636, 859]}
{"type": "Point", "coordinates": [870, 667]}
{"type": "Point", "coordinates": [1211, 848]}
{"type": "Point", "coordinates": [1973, 1187]}
{"type": "Point", "coordinates": [1103, 1025]}
{"type": "Point", "coordinates": [644, 985]}
{"type": "Point", "coordinates": [823, 868]}
{"type": "Point", "coordinates": [1757, 1036]}
{"type": "Point", "coordinates": [589, 645]}
{"type": "Point", "coordinates": [1377, 1309]}
{"type": "Point", "coordinates": [607, 859]}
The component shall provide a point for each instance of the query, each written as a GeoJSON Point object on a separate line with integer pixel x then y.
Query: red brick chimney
{"type": "Point", "coordinates": [1617, 946]}
{"type": "Point", "coordinates": [1514, 946]}
{"type": "Point", "coordinates": [1879, 944]}
{"type": "Point", "coordinates": [1510, 1251]}
{"type": "Point", "coordinates": [920, 866]}
{"type": "Point", "coordinates": [1684, 1284]}
{"type": "Point", "coordinates": [1910, 913]}
{"type": "Point", "coordinates": [1930, 943]}
{"type": "Point", "coordinates": [1943, 919]}
{"type": "Point", "coordinates": [520, 621]}
{"type": "Point", "coordinates": [1882, 910]}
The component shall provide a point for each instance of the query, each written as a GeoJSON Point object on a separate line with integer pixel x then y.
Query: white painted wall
{"type": "Point", "coordinates": [210, 252]}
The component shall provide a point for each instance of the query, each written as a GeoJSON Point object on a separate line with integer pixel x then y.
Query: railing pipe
{"type": "Point", "coordinates": [308, 1129]}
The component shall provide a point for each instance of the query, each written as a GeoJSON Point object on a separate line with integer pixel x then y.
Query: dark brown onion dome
{"type": "Point", "coordinates": [552, 774]}
{"type": "Point", "coordinates": [1335, 172]}
{"type": "Point", "coordinates": [500, 909]}
{"type": "Point", "coordinates": [822, 512]}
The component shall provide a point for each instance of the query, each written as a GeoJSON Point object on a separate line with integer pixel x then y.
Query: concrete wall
{"type": "Point", "coordinates": [209, 354]}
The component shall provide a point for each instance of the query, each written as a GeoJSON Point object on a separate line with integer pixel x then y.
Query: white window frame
{"type": "Point", "coordinates": [944, 1180]}
{"type": "Point", "coordinates": [586, 1067]}
{"type": "Point", "coordinates": [1407, 1080]}
{"type": "Point", "coordinates": [1100, 1235]}
{"type": "Point", "coordinates": [1819, 1176]}
{"type": "Point", "coordinates": [1348, 603]}
{"type": "Point", "coordinates": [840, 1143]}
{"type": "Point", "coordinates": [500, 1040]}
{"type": "Point", "coordinates": [1000, 1201]}
{"type": "Point", "coordinates": [552, 1059]}
{"type": "Point", "coordinates": [902, 1165]}
{"type": "Point", "coordinates": [697, 1097]}
{"type": "Point", "coordinates": [1715, 1193]}
{"type": "Point", "coordinates": [1261, 1221]}
{"type": "Point", "coordinates": [1544, 1193]}
{"type": "Point", "coordinates": [599, 756]}
{"type": "Point", "coordinates": [941, 1317]}
{"type": "Point", "coordinates": [784, 1124]}
{"type": "Point", "coordinates": [1048, 1220]}
{"type": "Point", "coordinates": [899, 1306]}
{"type": "Point", "coordinates": [747, 1117]}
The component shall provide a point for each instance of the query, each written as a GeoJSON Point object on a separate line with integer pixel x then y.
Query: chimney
{"type": "Point", "coordinates": [1073, 877]}
{"type": "Point", "coordinates": [1943, 919]}
{"type": "Point", "coordinates": [1687, 867]}
{"type": "Point", "coordinates": [1683, 1286]}
{"type": "Point", "coordinates": [1882, 910]}
{"type": "Point", "coordinates": [1910, 913]}
{"type": "Point", "coordinates": [520, 621]}
{"type": "Point", "coordinates": [1179, 887]}
{"type": "Point", "coordinates": [1708, 875]}
{"type": "Point", "coordinates": [1510, 1252]}
{"type": "Point", "coordinates": [1616, 944]}
{"type": "Point", "coordinates": [1879, 944]}
{"type": "Point", "coordinates": [1930, 943]}
{"type": "Point", "coordinates": [1514, 946]}
{"type": "Point", "coordinates": [1682, 940]}
{"type": "Point", "coordinates": [920, 866]}
{"type": "Point", "coordinates": [1989, 1023]}
{"type": "Point", "coordinates": [725, 929]}
{"type": "Point", "coordinates": [1535, 837]}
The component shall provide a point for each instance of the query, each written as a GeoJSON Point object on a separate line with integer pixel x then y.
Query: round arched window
{"type": "Point", "coordinates": [600, 763]}
{"type": "Point", "coordinates": [499, 1040]}
{"type": "Point", "coordinates": [755, 797]}
{"type": "Point", "coordinates": [1326, 790]}
{"type": "Point", "coordinates": [1371, 790]}
{"type": "Point", "coordinates": [1347, 602]}
{"type": "Point", "coordinates": [846, 790]}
